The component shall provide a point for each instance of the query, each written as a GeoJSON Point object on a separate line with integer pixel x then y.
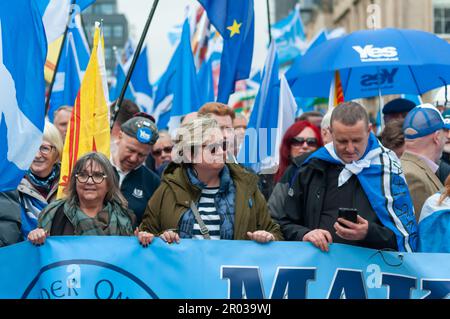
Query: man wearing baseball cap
{"type": "Point", "coordinates": [424, 141]}
{"type": "Point", "coordinates": [134, 143]}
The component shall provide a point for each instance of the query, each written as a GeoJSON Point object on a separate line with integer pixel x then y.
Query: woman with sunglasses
{"type": "Point", "coordinates": [299, 141]}
{"type": "Point", "coordinates": [39, 185]}
{"type": "Point", "coordinates": [93, 204]}
{"type": "Point", "coordinates": [301, 138]}
{"type": "Point", "coordinates": [202, 197]}
{"type": "Point", "coordinates": [162, 152]}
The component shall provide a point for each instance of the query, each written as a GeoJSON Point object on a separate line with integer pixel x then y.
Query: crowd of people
{"type": "Point", "coordinates": [189, 184]}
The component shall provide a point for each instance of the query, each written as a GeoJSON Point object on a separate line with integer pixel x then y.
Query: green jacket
{"type": "Point", "coordinates": [172, 198]}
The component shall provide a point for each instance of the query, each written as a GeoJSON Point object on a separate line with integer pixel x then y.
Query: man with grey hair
{"type": "Point", "coordinates": [134, 144]}
{"type": "Point", "coordinates": [424, 142]}
{"type": "Point", "coordinates": [355, 175]}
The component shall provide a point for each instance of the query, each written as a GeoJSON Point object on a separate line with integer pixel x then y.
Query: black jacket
{"type": "Point", "coordinates": [9, 218]}
{"type": "Point", "coordinates": [137, 187]}
{"type": "Point", "coordinates": [302, 204]}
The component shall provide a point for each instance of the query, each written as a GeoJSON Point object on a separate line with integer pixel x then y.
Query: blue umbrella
{"type": "Point", "coordinates": [375, 62]}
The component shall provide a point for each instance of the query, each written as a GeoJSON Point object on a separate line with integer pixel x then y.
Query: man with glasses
{"type": "Point", "coordinates": [133, 145]}
{"type": "Point", "coordinates": [162, 152]}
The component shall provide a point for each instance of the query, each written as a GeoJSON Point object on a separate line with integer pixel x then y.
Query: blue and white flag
{"type": "Point", "coordinates": [55, 15]}
{"type": "Point", "coordinates": [139, 88]}
{"type": "Point", "coordinates": [381, 177]}
{"type": "Point", "coordinates": [140, 79]}
{"type": "Point", "coordinates": [289, 35]}
{"type": "Point", "coordinates": [205, 78]}
{"type": "Point", "coordinates": [258, 150]}
{"type": "Point", "coordinates": [116, 87]}
{"type": "Point", "coordinates": [72, 65]}
{"type": "Point", "coordinates": [186, 89]}
{"type": "Point", "coordinates": [434, 225]}
{"type": "Point", "coordinates": [23, 50]}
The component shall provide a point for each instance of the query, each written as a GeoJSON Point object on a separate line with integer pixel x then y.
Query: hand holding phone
{"type": "Point", "coordinates": [349, 214]}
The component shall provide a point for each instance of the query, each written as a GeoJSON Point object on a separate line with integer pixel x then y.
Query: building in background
{"type": "Point", "coordinates": [115, 28]}
{"type": "Point", "coordinates": [427, 15]}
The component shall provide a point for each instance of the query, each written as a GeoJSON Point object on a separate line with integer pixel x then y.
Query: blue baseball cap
{"type": "Point", "coordinates": [423, 120]}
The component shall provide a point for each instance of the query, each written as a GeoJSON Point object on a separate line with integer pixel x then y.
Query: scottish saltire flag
{"type": "Point", "coordinates": [140, 79]}
{"type": "Point", "coordinates": [258, 150]}
{"type": "Point", "coordinates": [235, 22]}
{"type": "Point", "coordinates": [56, 15]}
{"type": "Point", "coordinates": [381, 177]}
{"type": "Point", "coordinates": [71, 68]}
{"type": "Point", "coordinates": [23, 49]}
{"type": "Point", "coordinates": [205, 79]}
{"type": "Point", "coordinates": [139, 88]}
{"type": "Point", "coordinates": [128, 51]}
{"type": "Point", "coordinates": [434, 226]}
{"type": "Point", "coordinates": [89, 123]}
{"type": "Point", "coordinates": [287, 107]}
{"type": "Point", "coordinates": [289, 36]}
{"type": "Point", "coordinates": [116, 87]}
{"type": "Point", "coordinates": [186, 89]}
{"type": "Point", "coordinates": [164, 93]}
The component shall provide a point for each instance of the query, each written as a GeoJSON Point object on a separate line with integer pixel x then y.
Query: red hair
{"type": "Point", "coordinates": [285, 149]}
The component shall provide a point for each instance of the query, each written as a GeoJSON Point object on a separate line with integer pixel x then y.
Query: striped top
{"type": "Point", "coordinates": [208, 213]}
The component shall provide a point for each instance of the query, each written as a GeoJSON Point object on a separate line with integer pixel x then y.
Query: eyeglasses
{"type": "Point", "coordinates": [158, 152]}
{"type": "Point", "coordinates": [299, 141]}
{"type": "Point", "coordinates": [96, 177]}
{"type": "Point", "coordinates": [46, 149]}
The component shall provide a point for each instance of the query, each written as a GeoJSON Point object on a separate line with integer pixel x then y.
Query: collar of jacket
{"type": "Point", "coordinates": [176, 177]}
{"type": "Point", "coordinates": [27, 188]}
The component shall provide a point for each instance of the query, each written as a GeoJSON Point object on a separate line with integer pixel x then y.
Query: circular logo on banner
{"type": "Point", "coordinates": [144, 135]}
{"type": "Point", "coordinates": [86, 279]}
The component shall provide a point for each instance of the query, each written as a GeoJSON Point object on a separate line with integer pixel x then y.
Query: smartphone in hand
{"type": "Point", "coordinates": [349, 214]}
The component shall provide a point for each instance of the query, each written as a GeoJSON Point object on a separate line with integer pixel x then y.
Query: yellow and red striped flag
{"type": "Point", "coordinates": [336, 91]}
{"type": "Point", "coordinates": [89, 123]}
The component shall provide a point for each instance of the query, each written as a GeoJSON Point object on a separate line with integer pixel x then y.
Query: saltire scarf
{"type": "Point", "coordinates": [434, 230]}
{"type": "Point", "coordinates": [31, 207]}
{"type": "Point", "coordinates": [44, 185]}
{"type": "Point", "coordinates": [381, 177]}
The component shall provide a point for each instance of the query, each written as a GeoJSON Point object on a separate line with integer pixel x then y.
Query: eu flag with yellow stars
{"type": "Point", "coordinates": [234, 20]}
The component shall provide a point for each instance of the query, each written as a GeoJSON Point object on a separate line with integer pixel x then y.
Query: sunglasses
{"type": "Point", "coordinates": [158, 152]}
{"type": "Point", "coordinates": [213, 148]}
{"type": "Point", "coordinates": [299, 141]}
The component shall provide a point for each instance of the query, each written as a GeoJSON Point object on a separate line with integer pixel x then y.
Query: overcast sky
{"type": "Point", "coordinates": [172, 12]}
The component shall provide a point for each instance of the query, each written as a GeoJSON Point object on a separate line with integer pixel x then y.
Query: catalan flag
{"type": "Point", "coordinates": [89, 125]}
{"type": "Point", "coordinates": [336, 91]}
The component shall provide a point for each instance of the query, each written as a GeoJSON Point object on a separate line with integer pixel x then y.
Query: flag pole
{"type": "Point", "coordinates": [268, 22]}
{"type": "Point", "coordinates": [52, 83]}
{"type": "Point", "coordinates": [133, 63]}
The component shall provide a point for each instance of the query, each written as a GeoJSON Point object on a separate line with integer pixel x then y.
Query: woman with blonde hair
{"type": "Point", "coordinates": [39, 185]}
{"type": "Point", "coordinates": [202, 197]}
